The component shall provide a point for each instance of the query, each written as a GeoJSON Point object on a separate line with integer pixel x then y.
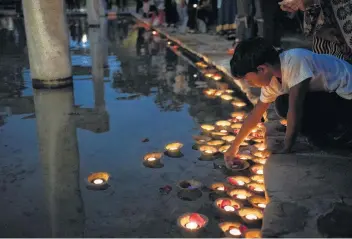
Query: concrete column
{"type": "Point", "coordinates": [95, 10]}
{"type": "Point", "coordinates": [60, 161]}
{"type": "Point", "coordinates": [48, 43]}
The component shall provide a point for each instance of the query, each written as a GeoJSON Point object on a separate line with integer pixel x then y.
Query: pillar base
{"type": "Point", "coordinates": [52, 84]}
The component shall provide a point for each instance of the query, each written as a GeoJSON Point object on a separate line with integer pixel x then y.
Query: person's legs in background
{"type": "Point", "coordinates": [244, 21]}
{"type": "Point", "coordinates": [182, 14]}
{"type": "Point", "coordinates": [192, 15]}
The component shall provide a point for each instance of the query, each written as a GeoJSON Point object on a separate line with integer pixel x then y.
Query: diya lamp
{"type": "Point", "coordinates": [257, 178]}
{"type": "Point", "coordinates": [253, 233]}
{"type": "Point", "coordinates": [238, 104]}
{"type": "Point", "coordinates": [250, 215]}
{"type": "Point", "coordinates": [223, 149]}
{"type": "Point", "coordinates": [228, 91]}
{"type": "Point", "coordinates": [217, 77]}
{"type": "Point", "coordinates": [216, 143]}
{"type": "Point", "coordinates": [260, 147]}
{"type": "Point", "coordinates": [98, 181]}
{"type": "Point", "coordinates": [256, 187]}
{"type": "Point", "coordinates": [153, 160]}
{"type": "Point", "coordinates": [227, 206]}
{"type": "Point", "coordinates": [209, 74]}
{"type": "Point", "coordinates": [210, 93]}
{"type": "Point", "coordinates": [201, 139]}
{"type": "Point", "coordinates": [189, 189]}
{"type": "Point", "coordinates": [239, 116]}
{"type": "Point", "coordinates": [283, 122]}
{"type": "Point", "coordinates": [262, 154]}
{"type": "Point", "coordinates": [207, 128]}
{"type": "Point", "coordinates": [236, 127]}
{"type": "Point", "coordinates": [219, 93]}
{"type": "Point", "coordinates": [201, 64]}
{"type": "Point", "coordinates": [228, 138]}
{"type": "Point", "coordinates": [258, 160]}
{"type": "Point", "coordinates": [238, 180]}
{"type": "Point", "coordinates": [237, 165]}
{"type": "Point", "coordinates": [219, 135]}
{"type": "Point", "coordinates": [226, 98]}
{"type": "Point", "coordinates": [257, 169]}
{"type": "Point", "coordinates": [240, 194]}
{"type": "Point", "coordinates": [219, 188]}
{"type": "Point", "coordinates": [244, 156]}
{"type": "Point", "coordinates": [257, 201]}
{"type": "Point", "coordinates": [223, 124]}
{"type": "Point", "coordinates": [207, 152]}
{"type": "Point", "coordinates": [173, 149]}
{"type": "Point", "coordinates": [233, 229]}
{"type": "Point", "coordinates": [192, 224]}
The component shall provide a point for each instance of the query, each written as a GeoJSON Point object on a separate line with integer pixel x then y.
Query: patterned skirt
{"type": "Point", "coordinates": [227, 16]}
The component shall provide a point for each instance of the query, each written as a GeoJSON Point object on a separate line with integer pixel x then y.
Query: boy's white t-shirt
{"type": "Point", "coordinates": [327, 73]}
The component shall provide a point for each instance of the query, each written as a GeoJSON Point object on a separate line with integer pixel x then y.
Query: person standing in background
{"type": "Point", "coordinates": [171, 13]}
{"type": "Point", "coordinates": [227, 10]}
{"type": "Point", "coordinates": [192, 15]}
{"type": "Point", "coordinates": [182, 14]}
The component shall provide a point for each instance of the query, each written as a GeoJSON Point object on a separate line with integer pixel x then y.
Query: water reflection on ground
{"type": "Point", "coordinates": [128, 86]}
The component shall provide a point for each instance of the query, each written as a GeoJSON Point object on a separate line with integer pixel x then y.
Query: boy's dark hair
{"type": "Point", "coordinates": [251, 53]}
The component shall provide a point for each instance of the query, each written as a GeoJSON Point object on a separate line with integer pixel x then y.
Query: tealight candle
{"type": "Point", "coordinates": [259, 171]}
{"type": "Point", "coordinates": [261, 205]}
{"type": "Point", "coordinates": [241, 196]}
{"type": "Point", "coordinates": [208, 151]}
{"type": "Point", "coordinates": [258, 189]}
{"type": "Point", "coordinates": [191, 225]}
{"type": "Point", "coordinates": [229, 208]}
{"type": "Point", "coordinates": [235, 232]}
{"type": "Point", "coordinates": [251, 217]}
{"type": "Point", "coordinates": [240, 183]}
{"type": "Point", "coordinates": [222, 188]}
{"type": "Point", "coordinates": [226, 97]}
{"type": "Point", "coordinates": [151, 159]}
{"type": "Point", "coordinates": [217, 77]}
{"type": "Point", "coordinates": [98, 181]}
{"type": "Point", "coordinates": [209, 74]}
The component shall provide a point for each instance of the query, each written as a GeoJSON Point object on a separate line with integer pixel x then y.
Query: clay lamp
{"type": "Point", "coordinates": [238, 180]}
{"type": "Point", "coordinates": [222, 124]}
{"type": "Point", "coordinates": [238, 103]}
{"type": "Point", "coordinates": [262, 154]}
{"type": "Point", "coordinates": [207, 128]}
{"type": "Point", "coordinates": [201, 139]}
{"type": "Point", "coordinates": [173, 149]}
{"type": "Point", "coordinates": [257, 201]}
{"type": "Point", "coordinates": [238, 165]}
{"type": "Point", "coordinates": [226, 97]}
{"type": "Point", "coordinates": [233, 229]}
{"type": "Point", "coordinates": [259, 160]}
{"type": "Point", "coordinates": [207, 152]}
{"type": "Point", "coordinates": [223, 149]}
{"type": "Point", "coordinates": [98, 181]}
{"type": "Point", "coordinates": [257, 169]}
{"type": "Point", "coordinates": [283, 122]}
{"type": "Point", "coordinates": [227, 206]}
{"type": "Point", "coordinates": [250, 215]}
{"type": "Point", "coordinates": [210, 93]}
{"type": "Point", "coordinates": [228, 138]}
{"type": "Point", "coordinates": [236, 127]}
{"type": "Point", "coordinates": [239, 116]}
{"type": "Point", "coordinates": [191, 224]}
{"type": "Point", "coordinates": [253, 233]}
{"type": "Point", "coordinates": [244, 156]}
{"type": "Point", "coordinates": [219, 135]}
{"type": "Point", "coordinates": [209, 74]}
{"type": "Point", "coordinates": [256, 187]}
{"type": "Point", "coordinates": [216, 143]}
{"type": "Point", "coordinates": [201, 64]}
{"type": "Point", "coordinates": [219, 93]}
{"type": "Point", "coordinates": [189, 185]}
{"type": "Point", "coordinates": [153, 160]}
{"type": "Point", "coordinates": [228, 91]}
{"type": "Point", "coordinates": [217, 77]}
{"type": "Point", "coordinates": [260, 147]}
{"type": "Point", "coordinates": [257, 178]}
{"type": "Point", "coordinates": [240, 194]}
{"type": "Point", "coordinates": [219, 188]}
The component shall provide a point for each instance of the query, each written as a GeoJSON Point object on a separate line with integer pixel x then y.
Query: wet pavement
{"type": "Point", "coordinates": [128, 86]}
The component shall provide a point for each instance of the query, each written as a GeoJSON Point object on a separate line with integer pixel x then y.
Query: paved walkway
{"type": "Point", "coordinates": [308, 191]}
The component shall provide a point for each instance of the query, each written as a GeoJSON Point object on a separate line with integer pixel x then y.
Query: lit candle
{"type": "Point", "coordinates": [195, 5]}
{"type": "Point", "coordinates": [241, 196]}
{"type": "Point", "coordinates": [258, 189]}
{"type": "Point", "coordinates": [261, 205]}
{"type": "Point", "coordinates": [240, 183]}
{"type": "Point", "coordinates": [217, 77]}
{"type": "Point", "coordinates": [229, 208]}
{"type": "Point", "coordinates": [195, 75]}
{"type": "Point", "coordinates": [169, 42]}
{"type": "Point", "coordinates": [191, 225]}
{"type": "Point", "coordinates": [235, 232]}
{"type": "Point", "coordinates": [260, 171]}
{"type": "Point", "coordinates": [154, 32]}
{"type": "Point", "coordinates": [208, 151]}
{"type": "Point", "coordinates": [221, 188]}
{"type": "Point", "coordinates": [223, 131]}
{"type": "Point", "coordinates": [98, 181]}
{"type": "Point", "coordinates": [151, 159]}
{"type": "Point", "coordinates": [251, 217]}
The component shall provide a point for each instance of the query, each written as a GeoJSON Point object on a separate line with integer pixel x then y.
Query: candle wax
{"type": "Point", "coordinates": [235, 232]}
{"type": "Point", "coordinates": [98, 181]}
{"type": "Point", "coordinates": [241, 196]}
{"type": "Point", "coordinates": [229, 208]}
{"type": "Point", "coordinates": [191, 225]}
{"type": "Point", "coordinates": [262, 205]}
{"type": "Point", "coordinates": [251, 217]}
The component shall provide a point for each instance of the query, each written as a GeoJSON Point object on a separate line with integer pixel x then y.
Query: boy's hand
{"type": "Point", "coordinates": [230, 155]}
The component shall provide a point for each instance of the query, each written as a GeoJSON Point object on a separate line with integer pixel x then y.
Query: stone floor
{"type": "Point", "coordinates": [308, 190]}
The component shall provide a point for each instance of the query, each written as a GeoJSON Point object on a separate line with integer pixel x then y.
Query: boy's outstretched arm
{"type": "Point", "coordinates": [297, 96]}
{"type": "Point", "coordinates": [249, 123]}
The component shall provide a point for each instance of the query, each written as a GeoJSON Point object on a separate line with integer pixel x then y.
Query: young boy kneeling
{"type": "Point", "coordinates": [313, 91]}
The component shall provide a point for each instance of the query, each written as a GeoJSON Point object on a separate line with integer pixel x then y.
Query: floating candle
{"type": "Point", "coordinates": [251, 217]}
{"type": "Point", "coordinates": [241, 196]}
{"type": "Point", "coordinates": [151, 159]}
{"type": "Point", "coordinates": [191, 225]}
{"type": "Point", "coordinates": [98, 181]}
{"type": "Point", "coordinates": [235, 232]}
{"type": "Point", "coordinates": [229, 208]}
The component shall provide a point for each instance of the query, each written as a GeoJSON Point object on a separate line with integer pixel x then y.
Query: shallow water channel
{"type": "Point", "coordinates": [132, 95]}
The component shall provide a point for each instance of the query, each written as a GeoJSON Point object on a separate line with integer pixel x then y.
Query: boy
{"type": "Point", "coordinates": [319, 88]}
